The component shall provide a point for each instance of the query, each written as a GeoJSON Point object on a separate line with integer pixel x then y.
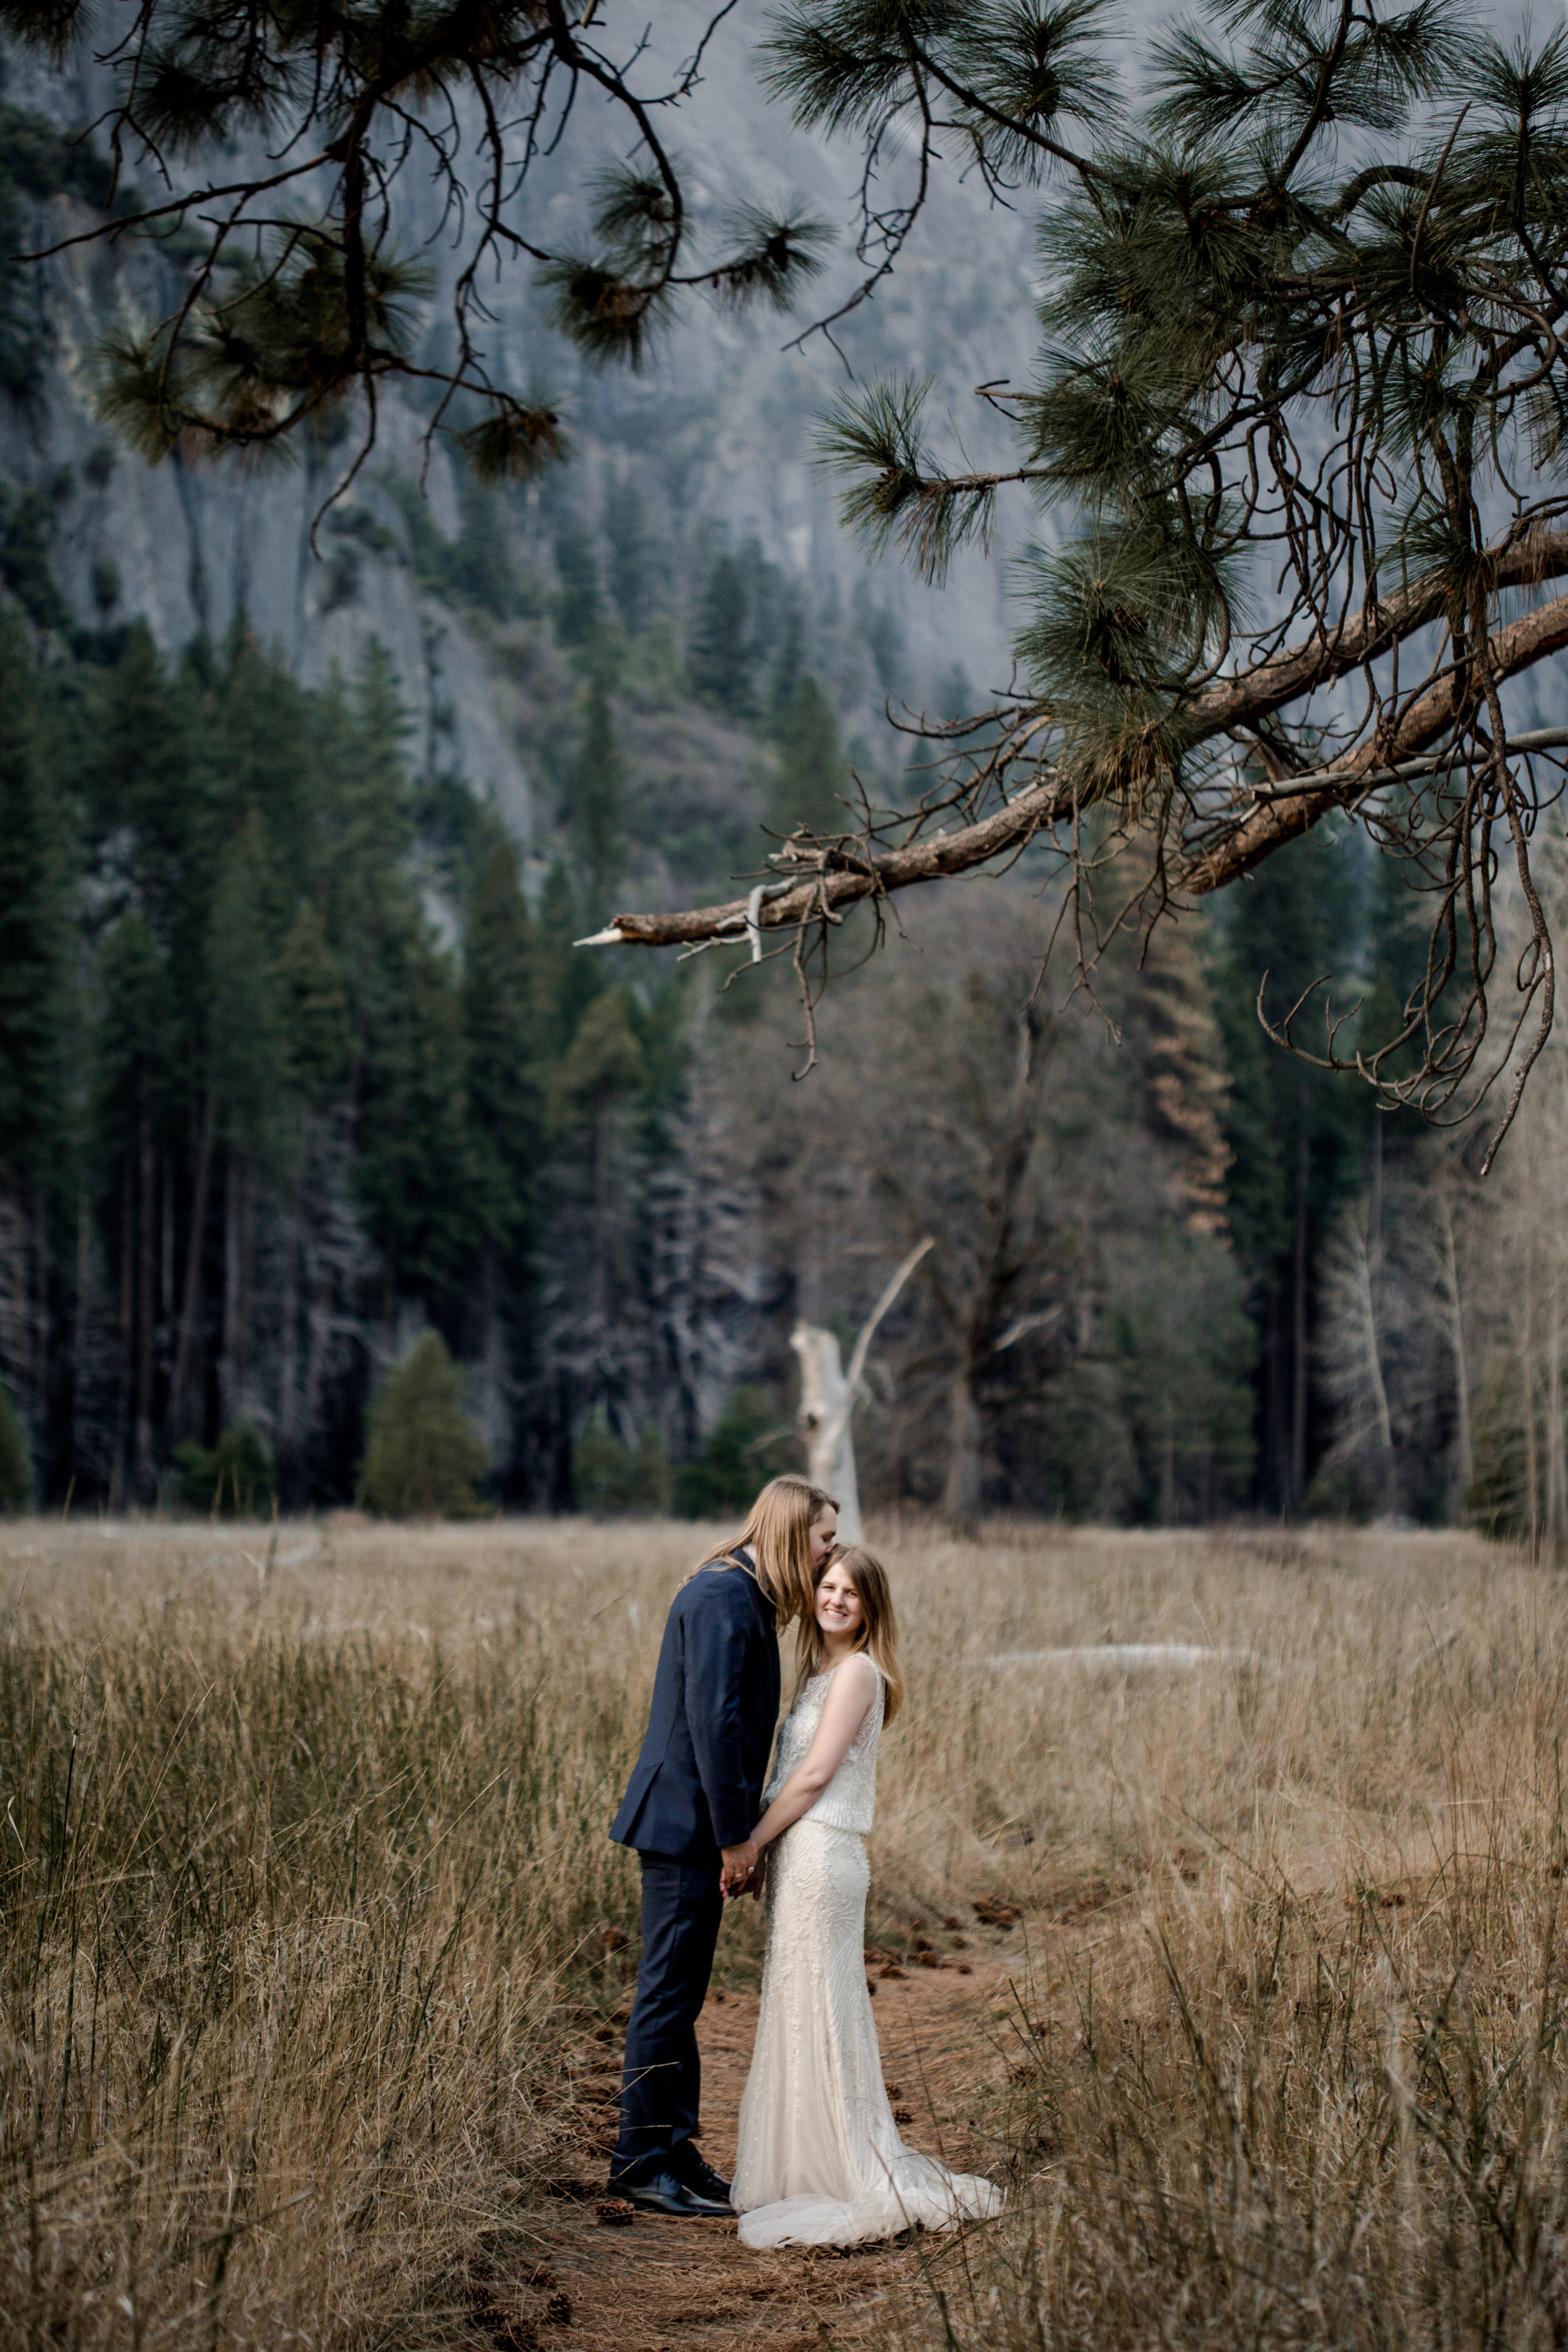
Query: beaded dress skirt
{"type": "Point", "coordinates": [821, 2163]}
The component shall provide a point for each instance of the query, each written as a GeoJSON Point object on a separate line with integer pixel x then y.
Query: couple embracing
{"type": "Point", "coordinates": [820, 2159]}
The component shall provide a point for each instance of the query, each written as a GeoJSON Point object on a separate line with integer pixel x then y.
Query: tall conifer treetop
{"type": "Point", "coordinates": [1300, 406]}
{"type": "Point", "coordinates": [280, 133]}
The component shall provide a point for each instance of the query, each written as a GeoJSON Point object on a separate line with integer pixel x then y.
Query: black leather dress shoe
{"type": "Point", "coordinates": [665, 2192]}
{"type": "Point", "coordinates": [698, 2173]}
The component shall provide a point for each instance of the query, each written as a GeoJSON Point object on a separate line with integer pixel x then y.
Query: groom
{"type": "Point", "coordinates": [689, 1812]}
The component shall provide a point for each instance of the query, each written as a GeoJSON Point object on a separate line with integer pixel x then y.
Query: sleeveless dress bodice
{"type": "Point", "coordinates": [849, 1800]}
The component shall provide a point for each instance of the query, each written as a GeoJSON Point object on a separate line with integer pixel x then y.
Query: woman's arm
{"type": "Point", "coordinates": [849, 1696]}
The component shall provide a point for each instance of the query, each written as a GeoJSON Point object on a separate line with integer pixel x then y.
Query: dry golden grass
{"type": "Point", "coordinates": [291, 1931]}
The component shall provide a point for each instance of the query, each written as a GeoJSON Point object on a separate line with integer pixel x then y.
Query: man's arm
{"type": "Point", "coordinates": [718, 1625]}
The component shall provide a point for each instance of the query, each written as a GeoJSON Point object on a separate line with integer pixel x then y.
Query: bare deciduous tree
{"type": "Point", "coordinates": [952, 1105]}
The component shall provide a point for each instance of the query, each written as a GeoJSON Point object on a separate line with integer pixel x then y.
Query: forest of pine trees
{"type": "Point", "coordinates": [290, 1070]}
{"type": "Point", "coordinates": [297, 1063]}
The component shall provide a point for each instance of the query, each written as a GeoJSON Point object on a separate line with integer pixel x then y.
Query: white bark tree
{"type": "Point", "coordinates": [827, 1395]}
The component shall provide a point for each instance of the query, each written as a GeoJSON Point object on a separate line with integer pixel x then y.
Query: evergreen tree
{"type": "Point", "coordinates": [29, 523]}
{"type": "Point", "coordinates": [577, 601]}
{"type": "Point", "coordinates": [501, 1022]}
{"type": "Point", "coordinates": [811, 784]}
{"type": "Point", "coordinates": [249, 1073]}
{"type": "Point", "coordinates": [1301, 241]}
{"type": "Point", "coordinates": [607, 1476]}
{"type": "Point", "coordinates": [320, 1035]}
{"type": "Point", "coordinates": [35, 937]}
{"type": "Point", "coordinates": [884, 640]}
{"type": "Point", "coordinates": [407, 1076]}
{"type": "Point", "coordinates": [1154, 1422]}
{"type": "Point", "coordinates": [365, 829]}
{"type": "Point", "coordinates": [248, 1044]}
{"type": "Point", "coordinates": [788, 670]}
{"type": "Point", "coordinates": [234, 1478]}
{"type": "Point", "coordinates": [769, 600]}
{"type": "Point", "coordinates": [1291, 1128]}
{"type": "Point", "coordinates": [569, 981]}
{"type": "Point", "coordinates": [652, 1485]}
{"type": "Point", "coordinates": [423, 1455]}
{"type": "Point", "coordinates": [600, 1473]}
{"type": "Point", "coordinates": [23, 342]}
{"type": "Point", "coordinates": [479, 566]}
{"type": "Point", "coordinates": [595, 804]}
{"type": "Point", "coordinates": [253, 748]}
{"type": "Point", "coordinates": [633, 575]}
{"type": "Point", "coordinates": [604, 1061]}
{"type": "Point", "coordinates": [415, 1171]}
{"type": "Point", "coordinates": [146, 805]}
{"type": "Point", "coordinates": [316, 293]}
{"type": "Point", "coordinates": [136, 1132]}
{"type": "Point", "coordinates": [749, 1442]}
{"type": "Point", "coordinates": [719, 655]}
{"type": "Point", "coordinates": [138, 1073]}
{"type": "Point", "coordinates": [16, 1470]}
{"type": "Point", "coordinates": [602, 1066]}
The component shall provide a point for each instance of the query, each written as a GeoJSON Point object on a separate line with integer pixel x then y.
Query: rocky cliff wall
{"type": "Point", "coordinates": [718, 429]}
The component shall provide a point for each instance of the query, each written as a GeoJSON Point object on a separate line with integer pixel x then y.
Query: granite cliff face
{"type": "Point", "coordinates": [716, 433]}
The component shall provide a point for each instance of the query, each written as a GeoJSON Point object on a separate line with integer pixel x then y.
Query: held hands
{"type": "Point", "coordinates": [737, 1865]}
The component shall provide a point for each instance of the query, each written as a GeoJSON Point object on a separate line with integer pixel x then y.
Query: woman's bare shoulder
{"type": "Point", "coordinates": [857, 1673]}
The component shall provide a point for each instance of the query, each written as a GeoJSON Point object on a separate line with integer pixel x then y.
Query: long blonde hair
{"type": "Point", "coordinates": [878, 1634]}
{"type": "Point", "coordinates": [777, 1532]}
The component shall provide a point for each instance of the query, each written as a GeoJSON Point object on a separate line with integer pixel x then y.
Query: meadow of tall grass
{"type": "Point", "coordinates": [307, 1900]}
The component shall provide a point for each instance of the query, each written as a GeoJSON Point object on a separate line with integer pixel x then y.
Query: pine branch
{"type": "Point", "coordinates": [843, 875]}
{"type": "Point", "coordinates": [1516, 647]}
{"type": "Point", "coordinates": [352, 100]}
{"type": "Point", "coordinates": [876, 436]}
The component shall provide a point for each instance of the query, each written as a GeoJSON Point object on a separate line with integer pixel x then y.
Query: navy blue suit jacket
{"type": "Point", "coordinates": [698, 1784]}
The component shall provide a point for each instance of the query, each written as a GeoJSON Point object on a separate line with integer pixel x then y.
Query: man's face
{"type": "Point", "coordinates": [822, 1535]}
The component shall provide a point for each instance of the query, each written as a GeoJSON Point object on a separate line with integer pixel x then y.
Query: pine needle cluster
{"type": "Point", "coordinates": [279, 133]}
{"type": "Point", "coordinates": [1299, 405]}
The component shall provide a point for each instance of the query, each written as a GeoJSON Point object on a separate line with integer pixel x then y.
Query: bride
{"type": "Point", "coordinates": [821, 2163]}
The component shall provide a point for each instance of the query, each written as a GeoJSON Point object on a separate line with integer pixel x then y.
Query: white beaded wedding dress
{"type": "Point", "coordinates": [821, 2163]}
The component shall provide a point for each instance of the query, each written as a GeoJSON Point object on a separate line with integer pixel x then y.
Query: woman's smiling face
{"type": "Point", "coordinates": [838, 1611]}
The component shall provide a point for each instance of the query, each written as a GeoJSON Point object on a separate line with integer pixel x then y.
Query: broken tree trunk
{"type": "Point", "coordinates": [827, 1394]}
{"type": "Point", "coordinates": [825, 1403]}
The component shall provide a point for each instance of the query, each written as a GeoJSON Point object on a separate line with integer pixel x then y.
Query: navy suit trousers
{"type": "Point", "coordinates": [661, 2083]}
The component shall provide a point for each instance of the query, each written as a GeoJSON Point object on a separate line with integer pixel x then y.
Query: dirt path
{"type": "Point", "coordinates": [655, 2285]}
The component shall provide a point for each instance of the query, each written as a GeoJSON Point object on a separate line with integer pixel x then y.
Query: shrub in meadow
{"type": "Point", "coordinates": [609, 1477]}
{"type": "Point", "coordinates": [235, 1477]}
{"type": "Point", "coordinates": [16, 1471]}
{"type": "Point", "coordinates": [600, 1473]}
{"type": "Point", "coordinates": [746, 1445]}
{"type": "Point", "coordinates": [423, 1455]}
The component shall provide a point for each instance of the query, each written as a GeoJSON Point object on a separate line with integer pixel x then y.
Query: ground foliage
{"type": "Point", "coordinates": [423, 1455]}
{"type": "Point", "coordinates": [312, 1936]}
